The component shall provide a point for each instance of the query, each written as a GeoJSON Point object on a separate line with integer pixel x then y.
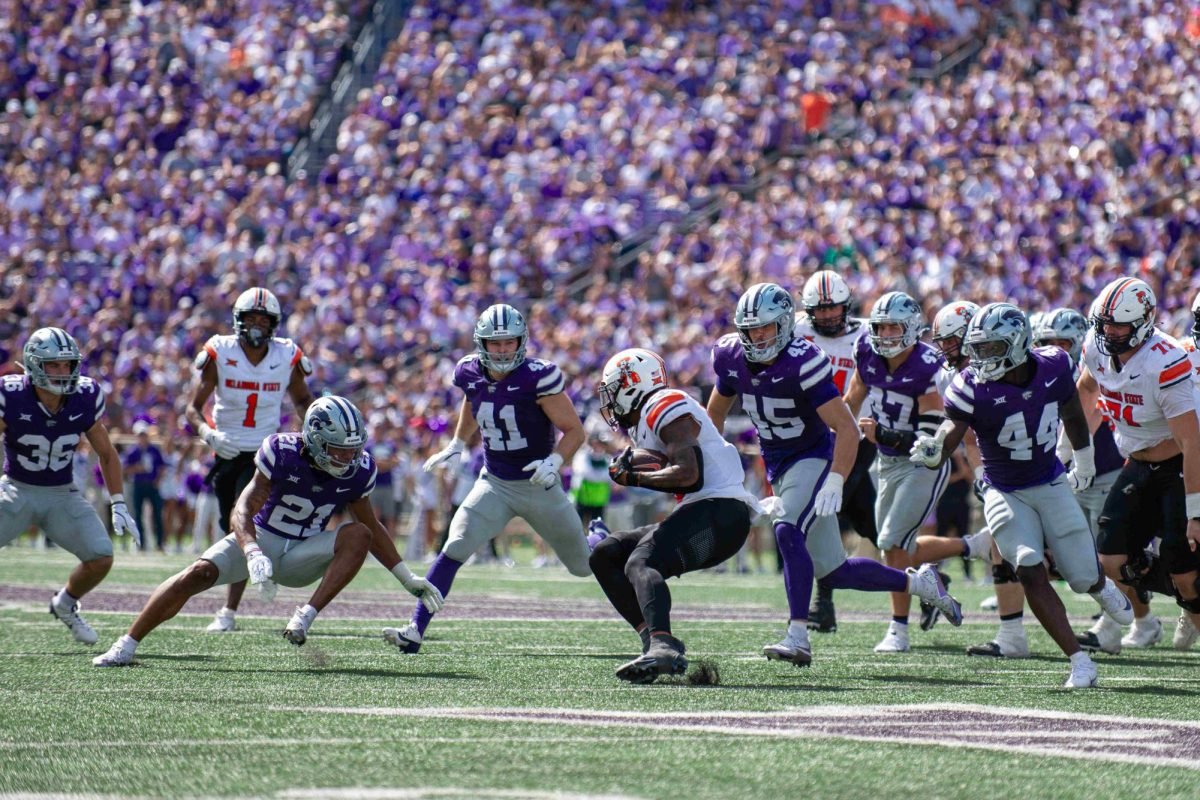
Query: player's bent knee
{"type": "Point", "coordinates": [458, 550]}
{"type": "Point", "coordinates": [1085, 585]}
{"type": "Point", "coordinates": [581, 570]}
{"type": "Point", "coordinates": [1003, 573]}
{"type": "Point", "coordinates": [354, 535]}
{"type": "Point", "coordinates": [199, 576]}
{"type": "Point", "coordinates": [99, 565]}
{"type": "Point", "coordinates": [1032, 575]}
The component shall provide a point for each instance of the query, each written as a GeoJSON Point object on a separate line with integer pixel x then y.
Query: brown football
{"type": "Point", "coordinates": [647, 460]}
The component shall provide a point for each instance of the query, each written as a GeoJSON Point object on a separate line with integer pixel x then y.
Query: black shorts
{"type": "Point", "coordinates": [1147, 500]}
{"type": "Point", "coordinates": [228, 477]}
{"type": "Point", "coordinates": [695, 536]}
{"type": "Point", "coordinates": [858, 504]}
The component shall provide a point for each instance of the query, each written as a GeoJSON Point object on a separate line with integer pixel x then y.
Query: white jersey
{"type": "Point", "coordinates": [249, 397]}
{"type": "Point", "coordinates": [1155, 385]}
{"type": "Point", "coordinates": [840, 349]}
{"type": "Point", "coordinates": [1189, 346]}
{"type": "Point", "coordinates": [943, 378]}
{"type": "Point", "coordinates": [723, 474]}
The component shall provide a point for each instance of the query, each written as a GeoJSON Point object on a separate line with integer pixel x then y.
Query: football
{"type": "Point", "coordinates": [647, 460]}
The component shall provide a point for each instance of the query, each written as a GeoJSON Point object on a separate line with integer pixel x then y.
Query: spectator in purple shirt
{"type": "Point", "coordinates": [144, 463]}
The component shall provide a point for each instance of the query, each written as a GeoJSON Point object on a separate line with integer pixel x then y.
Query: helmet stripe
{"type": "Point", "coordinates": [1115, 295]}
{"type": "Point", "coordinates": [826, 289]}
{"type": "Point", "coordinates": [755, 299]}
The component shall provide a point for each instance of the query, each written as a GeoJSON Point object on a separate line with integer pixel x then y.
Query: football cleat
{"type": "Point", "coordinates": [926, 584]}
{"type": "Point", "coordinates": [76, 624]}
{"type": "Point", "coordinates": [1114, 602]}
{"type": "Point", "coordinates": [1185, 632]}
{"type": "Point", "coordinates": [408, 638]}
{"type": "Point", "coordinates": [1104, 636]}
{"type": "Point", "coordinates": [793, 648]}
{"type": "Point", "coordinates": [990, 603]}
{"type": "Point", "coordinates": [1008, 648]}
{"type": "Point", "coordinates": [296, 631]}
{"type": "Point", "coordinates": [929, 612]}
{"type": "Point", "coordinates": [822, 617]}
{"type": "Point", "coordinates": [597, 532]}
{"type": "Point", "coordinates": [664, 657]}
{"type": "Point", "coordinates": [117, 656]}
{"type": "Point", "coordinates": [895, 640]}
{"type": "Point", "coordinates": [1146, 631]}
{"type": "Point", "coordinates": [1083, 674]}
{"type": "Point", "coordinates": [224, 622]}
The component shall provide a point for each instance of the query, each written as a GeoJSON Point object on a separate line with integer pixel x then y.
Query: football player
{"type": "Point", "coordinates": [1013, 397]}
{"type": "Point", "coordinates": [787, 388]}
{"type": "Point", "coordinates": [249, 372]}
{"type": "Point", "coordinates": [1142, 380]}
{"type": "Point", "coordinates": [827, 324]}
{"type": "Point", "coordinates": [43, 415]}
{"type": "Point", "coordinates": [518, 404]}
{"type": "Point", "coordinates": [896, 376]}
{"type": "Point", "coordinates": [280, 533]}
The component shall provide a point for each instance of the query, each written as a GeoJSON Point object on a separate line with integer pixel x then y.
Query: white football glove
{"type": "Point", "coordinates": [927, 450]}
{"type": "Point", "coordinates": [8, 491]}
{"type": "Point", "coordinates": [258, 565]}
{"type": "Point", "coordinates": [545, 471]}
{"type": "Point", "coordinates": [419, 588]}
{"type": "Point", "coordinates": [123, 522]}
{"type": "Point", "coordinates": [829, 498]}
{"type": "Point", "coordinates": [219, 442]}
{"type": "Point", "coordinates": [455, 448]}
{"type": "Point", "coordinates": [1083, 469]}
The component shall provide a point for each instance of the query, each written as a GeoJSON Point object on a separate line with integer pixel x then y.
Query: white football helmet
{"type": "Point", "coordinates": [997, 340]}
{"type": "Point", "coordinates": [763, 304]}
{"type": "Point", "coordinates": [949, 328]}
{"type": "Point", "coordinates": [1196, 317]}
{"type": "Point", "coordinates": [334, 422]}
{"type": "Point", "coordinates": [1124, 301]}
{"type": "Point", "coordinates": [52, 344]}
{"type": "Point", "coordinates": [895, 308]}
{"type": "Point", "coordinates": [1061, 324]}
{"type": "Point", "coordinates": [628, 379]}
{"type": "Point", "coordinates": [501, 321]}
{"type": "Point", "coordinates": [826, 289]}
{"type": "Point", "coordinates": [259, 301]}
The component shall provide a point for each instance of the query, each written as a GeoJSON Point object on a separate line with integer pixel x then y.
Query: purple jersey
{"type": "Point", "coordinates": [892, 396]}
{"type": "Point", "coordinates": [1108, 457]}
{"type": "Point", "coordinates": [39, 447]}
{"type": "Point", "coordinates": [515, 429]}
{"type": "Point", "coordinates": [781, 399]}
{"type": "Point", "coordinates": [303, 496]}
{"type": "Point", "coordinates": [1017, 426]}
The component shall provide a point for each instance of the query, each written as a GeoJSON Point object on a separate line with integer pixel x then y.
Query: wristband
{"type": "Point", "coordinates": [402, 573]}
{"type": "Point", "coordinates": [252, 549]}
{"type": "Point", "coordinates": [116, 498]}
{"type": "Point", "coordinates": [1192, 504]}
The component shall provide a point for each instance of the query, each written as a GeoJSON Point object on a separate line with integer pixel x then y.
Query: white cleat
{"type": "Point", "coordinates": [990, 603]}
{"type": "Point", "coordinates": [408, 638]}
{"type": "Point", "coordinates": [926, 584]}
{"type": "Point", "coordinates": [117, 656]}
{"type": "Point", "coordinates": [1002, 647]}
{"type": "Point", "coordinates": [979, 545]}
{"type": "Point", "coordinates": [1145, 632]}
{"type": "Point", "coordinates": [1083, 673]}
{"type": "Point", "coordinates": [793, 649]}
{"type": "Point", "coordinates": [1185, 632]}
{"type": "Point", "coordinates": [296, 631]}
{"type": "Point", "coordinates": [1104, 636]}
{"type": "Point", "coordinates": [895, 640]}
{"type": "Point", "coordinates": [76, 624]}
{"type": "Point", "coordinates": [224, 622]}
{"type": "Point", "coordinates": [1114, 602]}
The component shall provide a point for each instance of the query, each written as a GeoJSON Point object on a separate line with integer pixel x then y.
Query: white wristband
{"type": "Point", "coordinates": [1191, 502]}
{"type": "Point", "coordinates": [402, 573]}
{"type": "Point", "coordinates": [252, 549]}
{"type": "Point", "coordinates": [116, 498]}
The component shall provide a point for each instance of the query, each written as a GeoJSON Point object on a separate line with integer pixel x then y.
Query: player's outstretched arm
{"type": "Point", "coordinates": [719, 406]}
{"type": "Point", "coordinates": [836, 414]}
{"type": "Point", "coordinates": [933, 450]}
{"type": "Point", "coordinates": [561, 412]}
{"type": "Point", "coordinates": [298, 390]}
{"type": "Point", "coordinates": [1089, 395]}
{"type": "Point", "coordinates": [1186, 432]}
{"type": "Point", "coordinates": [855, 395]}
{"type": "Point", "coordinates": [253, 497]}
{"type": "Point", "coordinates": [464, 429]}
{"type": "Point", "coordinates": [110, 467]}
{"type": "Point", "coordinates": [386, 554]}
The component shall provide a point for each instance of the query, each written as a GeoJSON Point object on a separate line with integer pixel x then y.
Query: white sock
{"type": "Point", "coordinates": [128, 643]}
{"type": "Point", "coordinates": [798, 630]}
{"type": "Point", "coordinates": [226, 612]}
{"type": "Point", "coordinates": [1012, 627]}
{"type": "Point", "coordinates": [308, 612]}
{"type": "Point", "coordinates": [1080, 658]}
{"type": "Point", "coordinates": [64, 600]}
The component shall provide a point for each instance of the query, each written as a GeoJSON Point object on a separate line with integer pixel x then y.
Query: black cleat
{"type": "Point", "coordinates": [929, 613]}
{"type": "Point", "coordinates": [822, 617]}
{"type": "Point", "coordinates": [664, 657]}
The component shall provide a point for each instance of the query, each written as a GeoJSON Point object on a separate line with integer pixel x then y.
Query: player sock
{"type": "Point", "coordinates": [441, 574]}
{"type": "Point", "coordinates": [866, 575]}
{"type": "Point", "coordinates": [128, 643]}
{"type": "Point", "coordinates": [64, 600]}
{"type": "Point", "coordinates": [797, 568]}
{"type": "Point", "coordinates": [900, 620]}
{"type": "Point", "coordinates": [308, 612]}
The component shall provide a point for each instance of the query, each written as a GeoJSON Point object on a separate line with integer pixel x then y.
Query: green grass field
{"type": "Point", "coordinates": [524, 702]}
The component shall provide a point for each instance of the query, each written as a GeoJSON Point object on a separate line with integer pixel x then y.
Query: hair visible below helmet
{"type": "Point", "coordinates": [52, 344]}
{"type": "Point", "coordinates": [1061, 324]}
{"type": "Point", "coordinates": [826, 289]}
{"type": "Point", "coordinates": [997, 340]}
{"type": "Point", "coordinates": [895, 308]}
{"type": "Point", "coordinates": [1124, 301]}
{"type": "Point", "coordinates": [950, 324]}
{"type": "Point", "coordinates": [764, 304]}
{"type": "Point", "coordinates": [334, 422]}
{"type": "Point", "coordinates": [256, 301]}
{"type": "Point", "coordinates": [628, 379]}
{"type": "Point", "coordinates": [501, 321]}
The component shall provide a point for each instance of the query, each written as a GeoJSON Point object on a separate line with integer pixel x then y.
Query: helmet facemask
{"type": "Point", "coordinates": [47, 346]}
{"type": "Point", "coordinates": [765, 304]}
{"type": "Point", "coordinates": [997, 341]}
{"type": "Point", "coordinates": [497, 323]}
{"type": "Point", "coordinates": [253, 335]}
{"type": "Point", "coordinates": [334, 436]}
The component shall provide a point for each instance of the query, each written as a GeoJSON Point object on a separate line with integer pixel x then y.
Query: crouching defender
{"type": "Point", "coordinates": [279, 534]}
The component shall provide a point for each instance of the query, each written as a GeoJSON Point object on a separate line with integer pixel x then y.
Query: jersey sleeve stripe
{"type": "Point", "coordinates": [1181, 367]}
{"type": "Point", "coordinates": [664, 412]}
{"type": "Point", "coordinates": [299, 354]}
{"type": "Point", "coordinates": [660, 405]}
{"type": "Point", "coordinates": [956, 400]}
{"type": "Point", "coordinates": [553, 377]}
{"type": "Point", "coordinates": [817, 377]}
{"type": "Point", "coordinates": [1177, 381]}
{"type": "Point", "coordinates": [546, 391]}
{"type": "Point", "coordinates": [261, 463]}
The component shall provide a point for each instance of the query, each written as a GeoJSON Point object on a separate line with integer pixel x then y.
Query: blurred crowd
{"type": "Point", "coordinates": [505, 149]}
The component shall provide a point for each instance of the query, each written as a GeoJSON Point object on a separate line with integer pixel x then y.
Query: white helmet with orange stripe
{"type": "Point", "coordinates": [1125, 301]}
{"type": "Point", "coordinates": [826, 289]}
{"type": "Point", "coordinates": [628, 379]}
{"type": "Point", "coordinates": [949, 328]}
{"type": "Point", "coordinates": [256, 301]}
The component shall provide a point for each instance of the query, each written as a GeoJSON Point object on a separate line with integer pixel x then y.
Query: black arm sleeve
{"type": "Point", "coordinates": [897, 440]}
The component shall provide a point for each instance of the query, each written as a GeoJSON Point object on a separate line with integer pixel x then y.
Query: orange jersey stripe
{"type": "Point", "coordinates": [296, 358]}
{"type": "Point", "coordinates": [1171, 373]}
{"type": "Point", "coordinates": [661, 404]}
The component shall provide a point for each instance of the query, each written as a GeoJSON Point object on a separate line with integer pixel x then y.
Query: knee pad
{"type": "Point", "coordinates": [1146, 573]}
{"type": "Point", "coordinates": [1190, 606]}
{"type": "Point", "coordinates": [1004, 573]}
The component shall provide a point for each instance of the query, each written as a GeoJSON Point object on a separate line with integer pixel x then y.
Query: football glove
{"type": "Point", "coordinates": [927, 450]}
{"type": "Point", "coordinates": [123, 522]}
{"type": "Point", "coordinates": [829, 498]}
{"type": "Point", "coordinates": [1083, 469]}
{"type": "Point", "coordinates": [441, 457]}
{"type": "Point", "coordinates": [545, 471]}
{"type": "Point", "coordinates": [620, 469]}
{"type": "Point", "coordinates": [423, 590]}
{"type": "Point", "coordinates": [219, 442]}
{"type": "Point", "coordinates": [258, 565]}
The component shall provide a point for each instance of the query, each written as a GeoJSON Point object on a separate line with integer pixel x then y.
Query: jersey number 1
{"type": "Point", "coordinates": [251, 406]}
